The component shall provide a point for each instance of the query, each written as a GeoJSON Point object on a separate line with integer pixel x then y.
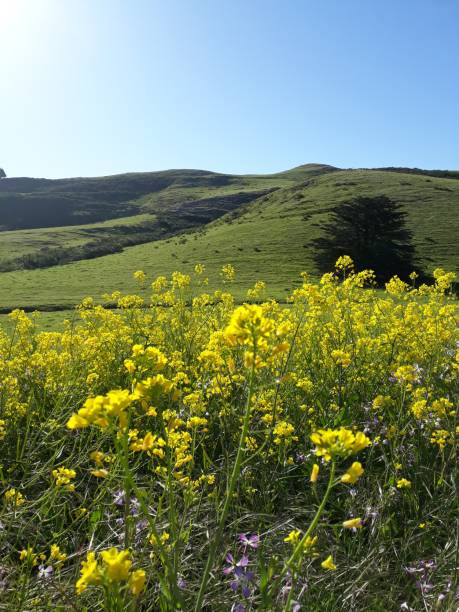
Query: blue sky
{"type": "Point", "coordinates": [93, 87]}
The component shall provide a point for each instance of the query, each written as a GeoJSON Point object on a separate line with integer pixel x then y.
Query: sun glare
{"type": "Point", "coordinates": [20, 21]}
{"type": "Point", "coordinates": [12, 13]}
{"type": "Point", "coordinates": [9, 10]}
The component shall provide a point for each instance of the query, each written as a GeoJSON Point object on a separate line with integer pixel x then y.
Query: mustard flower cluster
{"type": "Point", "coordinates": [113, 567]}
{"type": "Point", "coordinates": [338, 443]}
{"type": "Point", "coordinates": [178, 418]}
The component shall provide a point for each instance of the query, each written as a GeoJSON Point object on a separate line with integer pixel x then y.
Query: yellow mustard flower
{"type": "Point", "coordinates": [355, 523]}
{"type": "Point", "coordinates": [63, 477]}
{"type": "Point", "coordinates": [90, 573]}
{"type": "Point", "coordinates": [328, 563]}
{"type": "Point", "coordinates": [334, 443]}
{"type": "Point", "coordinates": [403, 483]}
{"type": "Point", "coordinates": [353, 473]}
{"type": "Point", "coordinates": [293, 537]}
{"type": "Point", "coordinates": [314, 473]}
{"type": "Point", "coordinates": [14, 498]}
{"type": "Point", "coordinates": [117, 564]}
{"type": "Point", "coordinates": [137, 581]}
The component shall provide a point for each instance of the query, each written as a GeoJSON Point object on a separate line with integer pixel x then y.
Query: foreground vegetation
{"type": "Point", "coordinates": [188, 453]}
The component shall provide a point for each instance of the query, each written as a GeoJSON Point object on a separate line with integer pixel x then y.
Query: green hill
{"type": "Point", "coordinates": [268, 237]}
{"type": "Point", "coordinates": [50, 222]}
{"type": "Point", "coordinates": [27, 203]}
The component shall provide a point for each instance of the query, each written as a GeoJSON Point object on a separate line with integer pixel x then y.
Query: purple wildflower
{"type": "Point", "coordinates": [141, 526]}
{"type": "Point", "coordinates": [252, 541]}
{"type": "Point", "coordinates": [45, 572]}
{"type": "Point", "coordinates": [119, 497]}
{"type": "Point", "coordinates": [242, 577]}
{"type": "Point", "coordinates": [181, 583]}
{"type": "Point", "coordinates": [233, 564]}
{"type": "Point", "coordinates": [134, 506]}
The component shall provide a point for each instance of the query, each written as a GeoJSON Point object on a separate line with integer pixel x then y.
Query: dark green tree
{"type": "Point", "coordinates": [371, 230]}
{"type": "Point", "coordinates": [2, 173]}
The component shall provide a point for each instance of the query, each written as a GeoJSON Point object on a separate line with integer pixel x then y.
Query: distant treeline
{"type": "Point", "coordinates": [448, 174]}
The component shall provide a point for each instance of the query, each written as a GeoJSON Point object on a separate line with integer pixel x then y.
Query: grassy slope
{"type": "Point", "coordinates": [27, 203]}
{"type": "Point", "coordinates": [30, 203]}
{"type": "Point", "coordinates": [30, 241]}
{"type": "Point", "coordinates": [270, 241]}
{"type": "Point", "coordinates": [45, 321]}
{"type": "Point", "coordinates": [50, 214]}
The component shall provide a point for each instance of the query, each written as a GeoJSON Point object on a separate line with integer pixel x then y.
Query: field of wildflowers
{"type": "Point", "coordinates": [189, 453]}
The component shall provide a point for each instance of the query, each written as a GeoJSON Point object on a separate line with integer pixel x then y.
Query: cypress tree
{"type": "Point", "coordinates": [371, 230]}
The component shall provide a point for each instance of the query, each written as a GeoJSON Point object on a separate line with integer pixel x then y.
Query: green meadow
{"type": "Point", "coordinates": [267, 239]}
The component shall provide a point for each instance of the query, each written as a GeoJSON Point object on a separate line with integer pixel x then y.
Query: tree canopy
{"type": "Point", "coordinates": [2, 173]}
{"type": "Point", "coordinates": [373, 232]}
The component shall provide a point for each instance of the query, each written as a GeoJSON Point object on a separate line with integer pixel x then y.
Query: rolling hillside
{"type": "Point", "coordinates": [267, 237]}
{"type": "Point", "coordinates": [50, 222]}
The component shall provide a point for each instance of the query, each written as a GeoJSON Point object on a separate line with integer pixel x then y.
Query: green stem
{"type": "Point", "coordinates": [229, 493]}
{"type": "Point", "coordinates": [299, 547]}
{"type": "Point", "coordinates": [131, 485]}
{"type": "Point", "coordinates": [268, 439]}
{"type": "Point", "coordinates": [290, 594]}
